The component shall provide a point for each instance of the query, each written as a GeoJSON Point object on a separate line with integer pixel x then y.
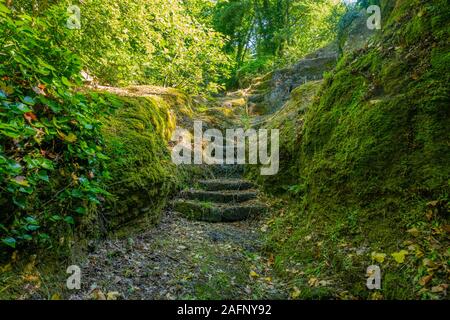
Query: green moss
{"type": "Point", "coordinates": [372, 153]}
{"type": "Point", "coordinates": [198, 210]}
{"type": "Point", "coordinates": [289, 120]}
{"type": "Point", "coordinates": [142, 173]}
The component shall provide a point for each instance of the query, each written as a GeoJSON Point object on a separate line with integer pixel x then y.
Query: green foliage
{"type": "Point", "coordinates": [51, 158]}
{"type": "Point", "coordinates": [264, 34]}
{"type": "Point", "coordinates": [193, 45]}
{"type": "Point", "coordinates": [148, 42]}
{"type": "Point", "coordinates": [254, 67]}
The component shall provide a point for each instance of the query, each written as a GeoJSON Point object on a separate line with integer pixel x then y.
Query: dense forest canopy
{"type": "Point", "coordinates": [192, 44]}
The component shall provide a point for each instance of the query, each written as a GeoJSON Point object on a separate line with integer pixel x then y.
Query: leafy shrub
{"type": "Point", "coordinates": [51, 160]}
{"type": "Point", "coordinates": [147, 42]}
{"type": "Point", "coordinates": [254, 68]}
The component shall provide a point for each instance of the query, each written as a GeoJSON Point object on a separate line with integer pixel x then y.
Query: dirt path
{"type": "Point", "coordinates": [182, 259]}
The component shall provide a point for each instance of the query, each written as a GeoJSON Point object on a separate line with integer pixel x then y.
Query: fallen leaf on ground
{"type": "Point", "coordinates": [55, 296]}
{"type": "Point", "coordinates": [378, 257]}
{"type": "Point", "coordinates": [113, 295]}
{"type": "Point", "coordinates": [97, 294]}
{"type": "Point", "coordinates": [30, 278]}
{"type": "Point", "coordinates": [295, 293]}
{"type": "Point", "coordinates": [400, 256]}
{"type": "Point", "coordinates": [429, 263]}
{"type": "Point", "coordinates": [414, 232]}
{"type": "Point", "coordinates": [439, 288]}
{"type": "Point", "coordinates": [313, 282]}
{"type": "Point", "coordinates": [424, 280]}
{"type": "Point", "coordinates": [324, 283]}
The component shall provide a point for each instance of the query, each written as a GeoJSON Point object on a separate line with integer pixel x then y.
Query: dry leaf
{"type": "Point", "coordinates": [428, 263]}
{"type": "Point", "coordinates": [313, 282]}
{"type": "Point", "coordinates": [30, 278]}
{"type": "Point", "coordinates": [414, 232]}
{"type": "Point", "coordinates": [378, 257]}
{"type": "Point", "coordinates": [400, 256]}
{"type": "Point", "coordinates": [55, 296]}
{"type": "Point", "coordinates": [324, 283]}
{"type": "Point", "coordinates": [253, 274]}
{"type": "Point", "coordinates": [113, 295]}
{"type": "Point", "coordinates": [30, 116]}
{"type": "Point", "coordinates": [425, 280]}
{"type": "Point", "coordinates": [439, 288]}
{"type": "Point", "coordinates": [97, 294]}
{"type": "Point", "coordinates": [295, 294]}
{"type": "Point", "coordinates": [21, 180]}
{"type": "Point", "coordinates": [6, 268]}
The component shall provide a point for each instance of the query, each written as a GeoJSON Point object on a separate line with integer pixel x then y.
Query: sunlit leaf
{"type": "Point", "coordinates": [399, 257]}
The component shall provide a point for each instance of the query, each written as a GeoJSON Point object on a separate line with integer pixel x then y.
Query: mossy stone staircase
{"type": "Point", "coordinates": [226, 198]}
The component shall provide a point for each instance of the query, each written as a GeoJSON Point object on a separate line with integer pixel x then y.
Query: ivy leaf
{"type": "Point", "coordinates": [28, 100]}
{"type": "Point", "coordinates": [20, 202]}
{"type": "Point", "coordinates": [66, 81]}
{"type": "Point", "coordinates": [71, 138]}
{"type": "Point", "coordinates": [23, 108]}
{"type": "Point", "coordinates": [69, 220]}
{"type": "Point", "coordinates": [44, 236]}
{"type": "Point", "coordinates": [55, 218]}
{"type": "Point", "coordinates": [32, 227]}
{"type": "Point", "coordinates": [27, 237]}
{"type": "Point", "coordinates": [10, 242]}
{"type": "Point", "coordinates": [80, 210]}
{"type": "Point", "coordinates": [31, 220]}
{"type": "Point", "coordinates": [42, 175]}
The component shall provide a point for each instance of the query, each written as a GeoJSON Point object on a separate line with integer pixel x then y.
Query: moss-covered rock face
{"type": "Point", "coordinates": [142, 173]}
{"type": "Point", "coordinates": [378, 136]}
{"type": "Point", "coordinates": [270, 92]}
{"type": "Point", "coordinates": [371, 162]}
{"type": "Point", "coordinates": [289, 120]}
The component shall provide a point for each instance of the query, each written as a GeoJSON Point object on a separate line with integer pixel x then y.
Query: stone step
{"type": "Point", "coordinates": [209, 212]}
{"type": "Point", "coordinates": [226, 184]}
{"type": "Point", "coordinates": [227, 171]}
{"type": "Point", "coordinates": [224, 196]}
